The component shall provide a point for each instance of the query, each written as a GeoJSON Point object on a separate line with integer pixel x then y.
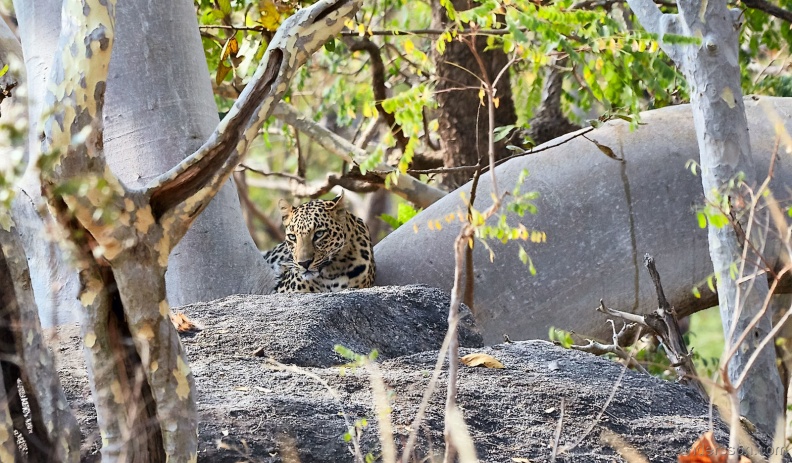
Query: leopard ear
{"type": "Point", "coordinates": [286, 211]}
{"type": "Point", "coordinates": [337, 203]}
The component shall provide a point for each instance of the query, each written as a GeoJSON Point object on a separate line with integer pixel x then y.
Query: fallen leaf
{"type": "Point", "coordinates": [521, 460]}
{"type": "Point", "coordinates": [242, 388]}
{"type": "Point", "coordinates": [183, 324]}
{"type": "Point", "coordinates": [706, 450]}
{"type": "Point", "coordinates": [481, 360]}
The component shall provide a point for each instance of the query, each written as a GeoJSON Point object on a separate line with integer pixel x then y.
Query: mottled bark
{"type": "Point", "coordinates": [462, 116]}
{"type": "Point", "coordinates": [713, 73]}
{"type": "Point", "coordinates": [120, 237]}
{"type": "Point", "coordinates": [55, 435]}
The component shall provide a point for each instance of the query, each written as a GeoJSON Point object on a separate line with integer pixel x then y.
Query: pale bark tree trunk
{"type": "Point", "coordinates": [120, 234]}
{"type": "Point", "coordinates": [26, 361]}
{"type": "Point", "coordinates": [159, 109]}
{"type": "Point", "coordinates": [713, 74]}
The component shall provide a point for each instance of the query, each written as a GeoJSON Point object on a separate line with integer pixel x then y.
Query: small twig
{"type": "Point", "coordinates": [557, 436]}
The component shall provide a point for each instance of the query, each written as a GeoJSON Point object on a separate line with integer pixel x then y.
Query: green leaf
{"type": "Point", "coordinates": [502, 132]}
{"type": "Point", "coordinates": [225, 6]}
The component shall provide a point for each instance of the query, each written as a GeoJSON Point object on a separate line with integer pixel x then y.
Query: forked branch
{"type": "Point", "coordinates": [185, 190]}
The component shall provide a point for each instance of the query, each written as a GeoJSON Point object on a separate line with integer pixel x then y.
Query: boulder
{"type": "Point", "coordinates": [600, 217]}
{"type": "Point", "coordinates": [252, 409]}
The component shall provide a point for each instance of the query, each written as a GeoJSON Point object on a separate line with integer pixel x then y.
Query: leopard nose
{"type": "Point", "coordinates": [306, 263]}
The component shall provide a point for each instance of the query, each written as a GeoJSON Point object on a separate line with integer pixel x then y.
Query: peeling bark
{"type": "Point", "coordinates": [120, 238]}
{"type": "Point", "coordinates": [713, 73]}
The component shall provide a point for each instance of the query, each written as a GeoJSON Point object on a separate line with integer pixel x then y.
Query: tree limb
{"type": "Point", "coordinates": [405, 186]}
{"type": "Point", "coordinates": [378, 86]}
{"type": "Point", "coordinates": [180, 194]}
{"type": "Point", "coordinates": [769, 8]}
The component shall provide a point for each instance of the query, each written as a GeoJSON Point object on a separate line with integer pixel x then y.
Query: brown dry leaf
{"type": "Point", "coordinates": [231, 48]}
{"type": "Point", "coordinates": [222, 71]}
{"type": "Point", "coordinates": [481, 360]}
{"type": "Point", "coordinates": [182, 323]}
{"type": "Point", "coordinates": [706, 450]}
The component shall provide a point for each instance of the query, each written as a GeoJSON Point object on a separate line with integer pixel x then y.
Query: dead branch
{"type": "Point", "coordinates": [624, 337]}
{"type": "Point", "coordinates": [664, 326]}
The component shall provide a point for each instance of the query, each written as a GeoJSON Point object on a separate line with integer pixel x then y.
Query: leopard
{"type": "Point", "coordinates": [327, 249]}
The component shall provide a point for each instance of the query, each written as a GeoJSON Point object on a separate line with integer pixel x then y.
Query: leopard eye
{"type": "Point", "coordinates": [291, 237]}
{"type": "Point", "coordinates": [318, 234]}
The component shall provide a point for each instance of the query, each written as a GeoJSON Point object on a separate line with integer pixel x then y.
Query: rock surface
{"type": "Point", "coordinates": [303, 330]}
{"type": "Point", "coordinates": [252, 411]}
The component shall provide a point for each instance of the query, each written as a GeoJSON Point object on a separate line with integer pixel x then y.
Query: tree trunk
{"type": "Point", "coordinates": [463, 118]}
{"type": "Point", "coordinates": [713, 72]}
{"type": "Point", "coordinates": [159, 109]}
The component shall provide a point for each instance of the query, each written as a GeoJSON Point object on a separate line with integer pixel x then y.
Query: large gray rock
{"type": "Point", "coordinates": [303, 330]}
{"type": "Point", "coordinates": [252, 412]}
{"type": "Point", "coordinates": [600, 215]}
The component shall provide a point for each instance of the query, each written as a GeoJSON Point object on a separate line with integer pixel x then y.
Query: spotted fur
{"type": "Point", "coordinates": [327, 249]}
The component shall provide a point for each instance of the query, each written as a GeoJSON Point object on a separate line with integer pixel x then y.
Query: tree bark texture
{"type": "Point", "coordinates": [462, 118]}
{"type": "Point", "coordinates": [712, 71]}
{"type": "Point", "coordinates": [120, 236]}
{"type": "Point", "coordinates": [160, 108]}
{"type": "Point", "coordinates": [55, 435]}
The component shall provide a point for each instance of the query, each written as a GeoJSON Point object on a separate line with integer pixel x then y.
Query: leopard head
{"type": "Point", "coordinates": [315, 232]}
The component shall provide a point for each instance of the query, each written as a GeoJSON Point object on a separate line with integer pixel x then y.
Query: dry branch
{"type": "Point", "coordinates": [409, 188]}
{"type": "Point", "coordinates": [664, 326]}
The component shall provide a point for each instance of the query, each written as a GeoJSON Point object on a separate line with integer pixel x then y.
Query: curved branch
{"type": "Point", "coordinates": [769, 8]}
{"type": "Point", "coordinates": [378, 86]}
{"type": "Point", "coordinates": [184, 191]}
{"type": "Point", "coordinates": [405, 186]}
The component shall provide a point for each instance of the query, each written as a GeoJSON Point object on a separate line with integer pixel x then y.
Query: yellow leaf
{"type": "Point", "coordinates": [496, 101]}
{"type": "Point", "coordinates": [481, 96]}
{"type": "Point", "coordinates": [222, 72]}
{"type": "Point", "coordinates": [270, 16]}
{"type": "Point", "coordinates": [230, 49]}
{"type": "Point", "coordinates": [408, 46]}
{"type": "Point", "coordinates": [479, 359]}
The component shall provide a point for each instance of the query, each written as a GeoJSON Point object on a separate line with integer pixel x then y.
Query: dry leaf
{"type": "Point", "coordinates": [706, 450]}
{"type": "Point", "coordinates": [521, 460]}
{"type": "Point", "coordinates": [222, 72]}
{"type": "Point", "coordinates": [183, 324]}
{"type": "Point", "coordinates": [481, 360]}
{"type": "Point", "coordinates": [607, 151]}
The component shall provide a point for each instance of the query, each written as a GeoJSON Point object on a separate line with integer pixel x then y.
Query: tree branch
{"type": "Point", "coordinates": [405, 186]}
{"type": "Point", "coordinates": [184, 191]}
{"type": "Point", "coordinates": [769, 8]}
{"type": "Point", "coordinates": [378, 86]}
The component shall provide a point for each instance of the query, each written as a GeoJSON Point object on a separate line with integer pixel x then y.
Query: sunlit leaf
{"type": "Point", "coordinates": [479, 359]}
